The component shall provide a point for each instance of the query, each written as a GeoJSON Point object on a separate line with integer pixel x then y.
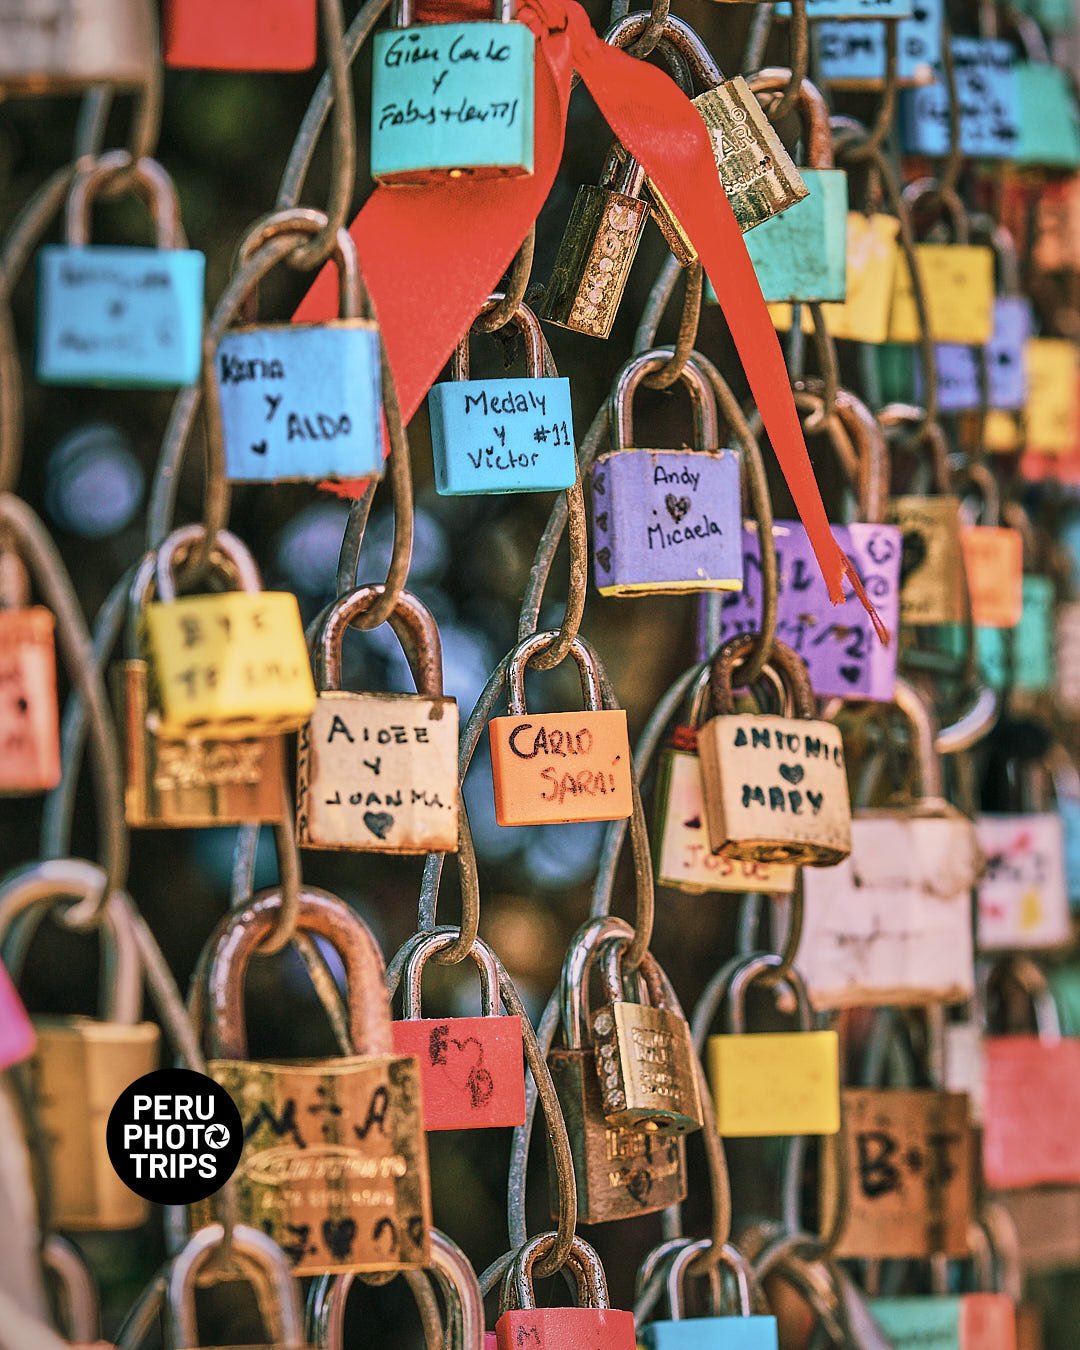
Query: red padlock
{"type": "Point", "coordinates": [591, 1325]}
{"type": "Point", "coordinates": [240, 34]}
{"type": "Point", "coordinates": [472, 1068]}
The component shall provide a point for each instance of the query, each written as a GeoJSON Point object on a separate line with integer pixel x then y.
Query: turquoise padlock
{"type": "Point", "coordinates": [1020, 658]}
{"type": "Point", "coordinates": [741, 1330]}
{"type": "Point", "coordinates": [302, 402]}
{"type": "Point", "coordinates": [118, 316]}
{"type": "Point", "coordinates": [450, 99]}
{"type": "Point", "coordinates": [1046, 99]}
{"type": "Point", "coordinates": [853, 53]}
{"type": "Point", "coordinates": [850, 9]}
{"type": "Point", "coordinates": [503, 435]}
{"type": "Point", "coordinates": [987, 96]}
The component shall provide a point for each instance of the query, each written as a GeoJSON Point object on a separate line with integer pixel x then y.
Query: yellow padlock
{"type": "Point", "coordinates": [1052, 408]}
{"type": "Point", "coordinates": [774, 1082]}
{"type": "Point", "coordinates": [228, 665]}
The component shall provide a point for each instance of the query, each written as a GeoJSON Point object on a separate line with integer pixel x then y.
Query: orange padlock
{"type": "Point", "coordinates": [993, 558]}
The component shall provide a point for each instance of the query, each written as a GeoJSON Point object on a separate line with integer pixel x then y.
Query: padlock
{"type": "Point", "coordinates": [75, 1294]}
{"type": "Point", "coordinates": [452, 99]}
{"type": "Point", "coordinates": [951, 1322]}
{"type": "Point", "coordinates": [114, 315]}
{"type": "Point", "coordinates": [261, 1260]}
{"type": "Point", "coordinates": [1052, 409]}
{"type": "Point", "coordinates": [619, 1174]}
{"type": "Point", "coordinates": [555, 768]}
{"type": "Point", "coordinates": [225, 666]}
{"type": "Point", "coordinates": [67, 46]}
{"type": "Point", "coordinates": [29, 712]}
{"type": "Point", "coordinates": [1047, 1223]}
{"type": "Point", "coordinates": [597, 249]}
{"type": "Point", "coordinates": [665, 520]}
{"type": "Point", "coordinates": [843, 654]}
{"type": "Point", "coordinates": [1067, 647]}
{"type": "Point", "coordinates": [1046, 103]}
{"type": "Point", "coordinates": [590, 1325]}
{"type": "Point", "coordinates": [471, 1068]}
{"type": "Point", "coordinates": [302, 402]}
{"type": "Point", "coordinates": [505, 435]}
{"type": "Point", "coordinates": [378, 773]}
{"type": "Point", "coordinates": [988, 108]}
{"type": "Point", "coordinates": [683, 858]}
{"type": "Point", "coordinates": [932, 569]}
{"type": "Point", "coordinates": [742, 1330]}
{"type": "Point", "coordinates": [908, 1160]}
{"type": "Point", "coordinates": [1066, 785]}
{"type": "Point", "coordinates": [773, 1082]}
{"type": "Point", "coordinates": [17, 1036]}
{"type": "Point", "coordinates": [82, 1064]}
{"type": "Point", "coordinates": [801, 255]}
{"type": "Point", "coordinates": [993, 558]}
{"type": "Point", "coordinates": [892, 924]}
{"type": "Point", "coordinates": [363, 1202]}
{"type": "Point", "coordinates": [854, 54]}
{"type": "Point", "coordinates": [775, 786]}
{"type": "Point", "coordinates": [850, 9]}
{"type": "Point", "coordinates": [185, 783]}
{"type": "Point", "coordinates": [1022, 658]}
{"type": "Point", "coordinates": [643, 1052]}
{"type": "Point", "coordinates": [243, 35]}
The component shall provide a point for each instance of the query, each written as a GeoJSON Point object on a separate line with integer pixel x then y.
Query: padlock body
{"type": "Point", "coordinates": [620, 1174]}
{"type": "Point", "coordinates": [948, 1322]}
{"type": "Point", "coordinates": [79, 1069]}
{"type": "Point", "coordinates": [471, 1070]}
{"type": "Point", "coordinates": [377, 773]}
{"type": "Point", "coordinates": [775, 1083]}
{"type": "Point", "coordinates": [243, 35]}
{"type": "Point", "coordinates": [64, 46]}
{"type": "Point", "coordinates": [301, 402]}
{"type": "Point", "coordinates": [550, 768]}
{"type": "Point", "coordinates": [1052, 410]}
{"type": "Point", "coordinates": [892, 923]}
{"type": "Point", "coordinates": [560, 1328]}
{"type": "Point", "coordinates": [994, 566]}
{"type": "Point", "coordinates": [850, 9]}
{"type": "Point", "coordinates": [958, 283]}
{"type": "Point", "coordinates": [126, 318]}
{"type": "Point", "coordinates": [908, 1162]}
{"type": "Point", "coordinates": [666, 520]}
{"type": "Point", "coordinates": [192, 784]}
{"type": "Point", "coordinates": [1022, 898]}
{"type": "Point", "coordinates": [228, 666]}
{"type": "Point", "coordinates": [987, 99]}
{"type": "Point", "coordinates": [1006, 363]}
{"type": "Point", "coordinates": [437, 88]}
{"type": "Point", "coordinates": [502, 436]}
{"type": "Point", "coordinates": [1022, 657]}
{"type": "Point", "coordinates": [335, 1163]}
{"type": "Point", "coordinates": [1032, 1105]}
{"type": "Point", "coordinates": [593, 263]}
{"type": "Point", "coordinates": [1049, 130]}
{"type": "Point", "coordinates": [932, 566]}
{"type": "Point", "coordinates": [775, 789]}
{"type": "Point", "coordinates": [17, 1036]}
{"type": "Point", "coordinates": [711, 1333]}
{"type": "Point", "coordinates": [853, 55]}
{"type": "Point", "coordinates": [801, 255]}
{"type": "Point", "coordinates": [29, 713]}
{"type": "Point", "coordinates": [646, 1064]}
{"type": "Point", "coordinates": [843, 654]}
{"type": "Point", "coordinates": [684, 860]}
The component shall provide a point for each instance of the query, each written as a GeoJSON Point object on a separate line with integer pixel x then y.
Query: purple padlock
{"type": "Point", "coordinates": [17, 1036]}
{"type": "Point", "coordinates": [958, 367]}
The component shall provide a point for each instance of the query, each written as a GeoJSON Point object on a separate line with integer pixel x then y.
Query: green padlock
{"type": "Point", "coordinates": [1047, 112]}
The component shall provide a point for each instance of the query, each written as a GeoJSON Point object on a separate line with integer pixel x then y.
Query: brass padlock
{"type": "Point", "coordinates": [82, 1064]}
{"type": "Point", "coordinates": [66, 46]}
{"type": "Point", "coordinates": [335, 1162]}
{"type": "Point", "coordinates": [645, 1057]}
{"type": "Point", "coordinates": [620, 1173]}
{"type": "Point", "coordinates": [191, 783]}
{"type": "Point", "coordinates": [261, 1261]}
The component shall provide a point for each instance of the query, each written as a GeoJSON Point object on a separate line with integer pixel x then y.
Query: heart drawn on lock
{"type": "Point", "coordinates": [379, 823]}
{"type": "Point", "coordinates": [851, 673]}
{"type": "Point", "coordinates": [339, 1236]}
{"type": "Point", "coordinates": [603, 557]}
{"type": "Point", "coordinates": [258, 447]}
{"type": "Point", "coordinates": [792, 773]}
{"type": "Point", "coordinates": [601, 522]}
{"type": "Point", "coordinates": [677, 506]}
{"type": "Point", "coordinates": [598, 484]}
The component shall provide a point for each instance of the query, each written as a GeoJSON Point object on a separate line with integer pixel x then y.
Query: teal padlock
{"type": "Point", "coordinates": [801, 254]}
{"type": "Point", "coordinates": [452, 99]}
{"type": "Point", "coordinates": [1022, 657]}
{"type": "Point", "coordinates": [741, 1330]}
{"type": "Point", "coordinates": [1046, 101]}
{"type": "Point", "coordinates": [513, 435]}
{"type": "Point", "coordinates": [986, 96]}
{"type": "Point", "coordinates": [115, 315]}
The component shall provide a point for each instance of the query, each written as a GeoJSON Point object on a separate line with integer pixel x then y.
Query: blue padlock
{"type": "Point", "coordinates": [742, 1330]}
{"type": "Point", "coordinates": [958, 366]}
{"type": "Point", "coordinates": [853, 53]}
{"type": "Point", "coordinates": [452, 99]}
{"type": "Point", "coordinates": [503, 435]}
{"type": "Point", "coordinates": [123, 317]}
{"type": "Point", "coordinates": [988, 100]}
{"type": "Point", "coordinates": [666, 520]}
{"type": "Point", "coordinates": [302, 402]}
{"type": "Point", "coordinates": [850, 9]}
{"type": "Point", "coordinates": [1046, 95]}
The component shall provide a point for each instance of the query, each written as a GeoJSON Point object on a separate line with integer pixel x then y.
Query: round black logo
{"type": "Point", "coordinates": [174, 1136]}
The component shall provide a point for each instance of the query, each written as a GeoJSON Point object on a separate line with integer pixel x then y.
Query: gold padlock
{"type": "Point", "coordinates": [335, 1161]}
{"type": "Point", "coordinates": [190, 782]}
{"type": "Point", "coordinates": [82, 1064]}
{"type": "Point", "coordinates": [66, 46]}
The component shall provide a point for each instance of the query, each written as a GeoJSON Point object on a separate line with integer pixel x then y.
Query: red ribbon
{"type": "Point", "coordinates": [431, 255]}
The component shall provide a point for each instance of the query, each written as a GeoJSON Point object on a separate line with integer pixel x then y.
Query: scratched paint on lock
{"type": "Point", "coordinates": [301, 402]}
{"type": "Point", "coordinates": [502, 436]}
{"type": "Point", "coordinates": [987, 97]}
{"type": "Point", "coordinates": [838, 643]}
{"type": "Point", "coordinates": [118, 316]}
{"type": "Point", "coordinates": [1022, 896]}
{"type": "Point", "coordinates": [29, 714]}
{"type": "Point", "coordinates": [439, 86]}
{"type": "Point", "coordinates": [1006, 363]}
{"type": "Point", "coordinates": [854, 53]}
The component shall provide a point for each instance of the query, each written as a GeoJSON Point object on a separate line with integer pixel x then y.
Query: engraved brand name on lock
{"type": "Point", "coordinates": [184, 764]}
{"type": "Point", "coordinates": [275, 1167]}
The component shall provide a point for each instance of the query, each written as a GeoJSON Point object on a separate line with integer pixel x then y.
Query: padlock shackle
{"type": "Point", "coordinates": [80, 1308]}
{"type": "Point", "coordinates": [238, 938]}
{"type": "Point", "coordinates": [752, 969]}
{"type": "Point", "coordinates": [898, 416]}
{"type": "Point", "coordinates": [256, 1249]}
{"type": "Point", "coordinates": [532, 646]}
{"type": "Point", "coordinates": [812, 109]}
{"type": "Point", "coordinates": [923, 724]}
{"type": "Point", "coordinates": [1023, 972]}
{"type": "Point", "coordinates": [586, 1267]}
{"type": "Point", "coordinates": [354, 300]}
{"type": "Point", "coordinates": [151, 182]}
{"type": "Point", "coordinates": [983, 484]}
{"type": "Point", "coordinates": [657, 1258]}
{"type": "Point", "coordinates": [730, 1257]}
{"type": "Point", "coordinates": [171, 552]}
{"type": "Point", "coordinates": [785, 663]}
{"type": "Point", "coordinates": [865, 455]}
{"type": "Point", "coordinates": [678, 33]}
{"type": "Point", "coordinates": [621, 172]}
{"type": "Point", "coordinates": [948, 201]}
{"type": "Point", "coordinates": [576, 968]}
{"type": "Point", "coordinates": [426, 945]}
{"type": "Point", "coordinates": [401, 12]}
{"type": "Point", "coordinates": [527, 324]}
{"type": "Point", "coordinates": [413, 625]}
{"type": "Point", "coordinates": [697, 383]}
